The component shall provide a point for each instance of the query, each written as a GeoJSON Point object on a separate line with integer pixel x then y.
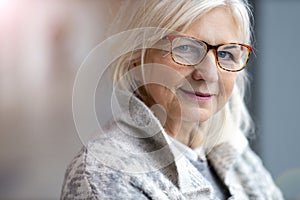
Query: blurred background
{"type": "Point", "coordinates": [42, 45]}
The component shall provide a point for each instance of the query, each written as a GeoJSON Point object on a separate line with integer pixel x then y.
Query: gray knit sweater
{"type": "Point", "coordinates": [135, 159]}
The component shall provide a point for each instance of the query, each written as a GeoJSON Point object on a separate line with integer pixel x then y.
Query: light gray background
{"type": "Point", "coordinates": [276, 90]}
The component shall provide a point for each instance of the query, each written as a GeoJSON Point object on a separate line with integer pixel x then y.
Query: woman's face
{"type": "Point", "coordinates": [193, 93]}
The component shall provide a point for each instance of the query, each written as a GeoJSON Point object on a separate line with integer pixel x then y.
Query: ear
{"type": "Point", "coordinates": [134, 67]}
{"type": "Point", "coordinates": [136, 62]}
{"type": "Point", "coordinates": [135, 59]}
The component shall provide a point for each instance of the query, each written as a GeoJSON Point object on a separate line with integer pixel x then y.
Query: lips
{"type": "Point", "coordinates": [197, 95]}
{"type": "Point", "coordinates": [200, 94]}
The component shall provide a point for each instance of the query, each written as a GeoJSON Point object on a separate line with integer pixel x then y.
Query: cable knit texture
{"type": "Point", "coordinates": [135, 159]}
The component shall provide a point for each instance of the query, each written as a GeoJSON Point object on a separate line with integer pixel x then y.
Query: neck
{"type": "Point", "coordinates": [187, 133]}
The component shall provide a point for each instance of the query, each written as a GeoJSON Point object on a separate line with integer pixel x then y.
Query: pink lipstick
{"type": "Point", "coordinates": [198, 96]}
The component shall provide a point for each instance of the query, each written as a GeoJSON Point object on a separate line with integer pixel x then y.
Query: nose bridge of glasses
{"type": "Point", "coordinates": [214, 49]}
{"type": "Point", "coordinates": [209, 60]}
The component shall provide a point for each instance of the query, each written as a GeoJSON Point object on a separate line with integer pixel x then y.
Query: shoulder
{"type": "Point", "coordinates": [243, 172]}
{"type": "Point", "coordinates": [121, 162]}
{"type": "Point", "coordinates": [254, 177]}
{"type": "Point", "coordinates": [91, 177]}
{"type": "Point", "coordinates": [87, 178]}
{"type": "Point", "coordinates": [76, 182]}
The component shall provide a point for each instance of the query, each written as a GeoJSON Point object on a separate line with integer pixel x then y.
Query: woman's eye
{"type": "Point", "coordinates": [184, 48]}
{"type": "Point", "coordinates": [225, 55]}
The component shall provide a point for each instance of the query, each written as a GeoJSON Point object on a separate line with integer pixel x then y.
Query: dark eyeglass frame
{"type": "Point", "coordinates": [209, 47]}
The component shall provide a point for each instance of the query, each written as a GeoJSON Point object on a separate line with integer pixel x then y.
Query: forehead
{"type": "Point", "coordinates": [215, 27]}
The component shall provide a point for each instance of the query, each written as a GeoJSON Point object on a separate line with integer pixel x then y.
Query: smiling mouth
{"type": "Point", "coordinates": [198, 96]}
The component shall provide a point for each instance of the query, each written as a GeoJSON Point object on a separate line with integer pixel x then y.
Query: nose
{"type": "Point", "coordinates": [206, 70]}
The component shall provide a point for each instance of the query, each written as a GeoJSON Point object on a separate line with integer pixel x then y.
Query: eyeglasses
{"type": "Point", "coordinates": [189, 51]}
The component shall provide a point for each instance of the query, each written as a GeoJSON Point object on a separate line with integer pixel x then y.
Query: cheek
{"type": "Point", "coordinates": [162, 78]}
{"type": "Point", "coordinates": [227, 81]}
{"type": "Point", "coordinates": [159, 92]}
{"type": "Point", "coordinates": [159, 69]}
{"type": "Point", "coordinates": [164, 97]}
{"type": "Point", "coordinates": [158, 81]}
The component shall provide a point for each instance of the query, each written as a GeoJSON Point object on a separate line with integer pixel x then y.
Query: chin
{"type": "Point", "coordinates": [197, 116]}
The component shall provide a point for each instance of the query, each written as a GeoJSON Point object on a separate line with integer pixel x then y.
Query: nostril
{"type": "Point", "coordinates": [196, 75]}
{"type": "Point", "coordinates": [207, 73]}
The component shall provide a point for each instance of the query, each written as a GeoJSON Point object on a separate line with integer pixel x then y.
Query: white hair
{"type": "Point", "coordinates": [177, 15]}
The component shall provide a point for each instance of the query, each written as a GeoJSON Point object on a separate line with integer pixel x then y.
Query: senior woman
{"type": "Point", "coordinates": [181, 130]}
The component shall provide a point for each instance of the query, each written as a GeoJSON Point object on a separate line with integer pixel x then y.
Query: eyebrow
{"type": "Point", "coordinates": [231, 47]}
